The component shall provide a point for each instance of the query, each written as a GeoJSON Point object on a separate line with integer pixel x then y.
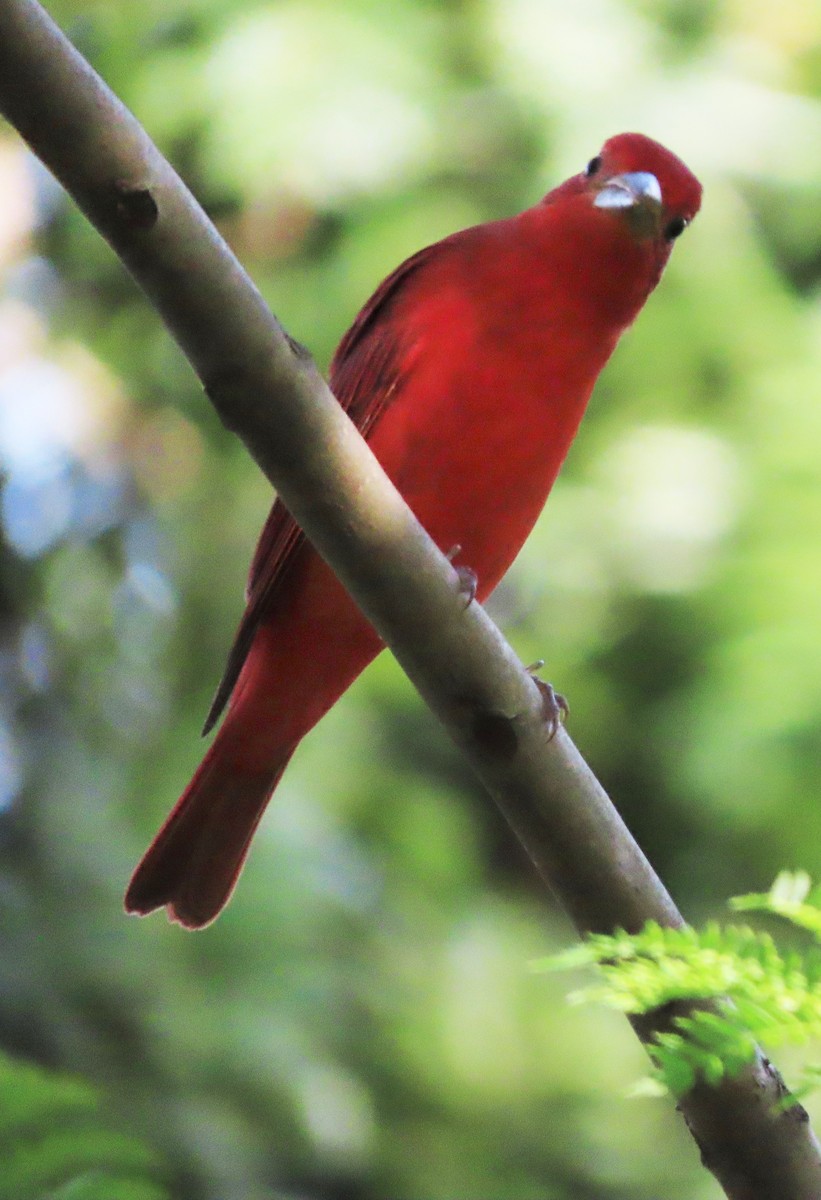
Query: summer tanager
{"type": "Point", "coordinates": [468, 372]}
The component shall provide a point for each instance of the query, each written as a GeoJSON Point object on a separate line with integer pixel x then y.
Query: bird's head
{"type": "Point", "coordinates": [640, 183]}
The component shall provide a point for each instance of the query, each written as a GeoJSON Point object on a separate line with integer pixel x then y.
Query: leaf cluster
{"type": "Point", "coordinates": [739, 986]}
{"type": "Point", "coordinates": [56, 1142]}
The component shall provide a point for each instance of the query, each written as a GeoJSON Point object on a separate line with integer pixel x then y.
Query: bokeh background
{"type": "Point", "coordinates": [363, 1021]}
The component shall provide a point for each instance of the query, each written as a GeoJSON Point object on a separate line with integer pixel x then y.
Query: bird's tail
{"type": "Point", "coordinates": [194, 862]}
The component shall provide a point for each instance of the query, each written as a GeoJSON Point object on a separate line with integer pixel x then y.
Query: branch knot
{"type": "Point", "coordinates": [135, 206]}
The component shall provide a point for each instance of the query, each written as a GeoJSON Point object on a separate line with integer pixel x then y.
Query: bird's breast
{"type": "Point", "coordinates": [485, 412]}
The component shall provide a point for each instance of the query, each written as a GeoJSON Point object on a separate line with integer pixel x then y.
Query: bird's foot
{"type": "Point", "coordinates": [555, 708]}
{"type": "Point", "coordinates": [468, 580]}
{"type": "Point", "coordinates": [468, 583]}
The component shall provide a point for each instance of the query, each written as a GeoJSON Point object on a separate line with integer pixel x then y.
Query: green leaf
{"type": "Point", "coordinates": [56, 1143]}
{"type": "Point", "coordinates": [791, 896]}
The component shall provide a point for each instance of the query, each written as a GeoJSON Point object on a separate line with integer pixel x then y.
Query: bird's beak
{"type": "Point", "coordinates": [636, 194]}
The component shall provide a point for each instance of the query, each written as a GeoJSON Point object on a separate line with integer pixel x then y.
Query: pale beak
{"type": "Point", "coordinates": [635, 197]}
{"type": "Point", "coordinates": [624, 191]}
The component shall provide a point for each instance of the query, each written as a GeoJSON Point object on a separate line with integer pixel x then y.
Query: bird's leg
{"type": "Point", "coordinates": [468, 580]}
{"type": "Point", "coordinates": [554, 706]}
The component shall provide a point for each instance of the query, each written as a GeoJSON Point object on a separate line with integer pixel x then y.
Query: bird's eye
{"type": "Point", "coordinates": [593, 166]}
{"type": "Point", "coordinates": [674, 228]}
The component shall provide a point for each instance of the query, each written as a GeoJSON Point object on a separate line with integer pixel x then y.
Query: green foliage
{"type": "Point", "coordinates": [55, 1143]}
{"type": "Point", "coordinates": [759, 993]}
{"type": "Point", "coordinates": [792, 896]}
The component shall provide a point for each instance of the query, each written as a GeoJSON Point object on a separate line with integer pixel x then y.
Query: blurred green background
{"type": "Point", "coordinates": [363, 1022]}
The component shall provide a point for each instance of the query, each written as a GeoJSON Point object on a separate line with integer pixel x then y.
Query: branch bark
{"type": "Point", "coordinates": [267, 390]}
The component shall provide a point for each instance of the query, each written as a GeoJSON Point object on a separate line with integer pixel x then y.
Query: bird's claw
{"type": "Point", "coordinates": [468, 583]}
{"type": "Point", "coordinates": [555, 708]}
{"type": "Point", "coordinates": [468, 580]}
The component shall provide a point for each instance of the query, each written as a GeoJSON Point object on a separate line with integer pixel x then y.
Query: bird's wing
{"type": "Point", "coordinates": [365, 376]}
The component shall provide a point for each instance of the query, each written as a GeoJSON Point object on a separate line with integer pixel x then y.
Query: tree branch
{"type": "Point", "coordinates": [266, 388]}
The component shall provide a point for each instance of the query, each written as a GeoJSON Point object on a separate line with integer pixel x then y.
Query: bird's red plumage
{"type": "Point", "coordinates": [468, 372]}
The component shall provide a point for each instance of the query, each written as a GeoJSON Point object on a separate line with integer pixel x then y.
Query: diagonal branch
{"type": "Point", "coordinates": [266, 388]}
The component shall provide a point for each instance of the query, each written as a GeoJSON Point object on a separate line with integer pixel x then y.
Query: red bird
{"type": "Point", "coordinates": [468, 371]}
